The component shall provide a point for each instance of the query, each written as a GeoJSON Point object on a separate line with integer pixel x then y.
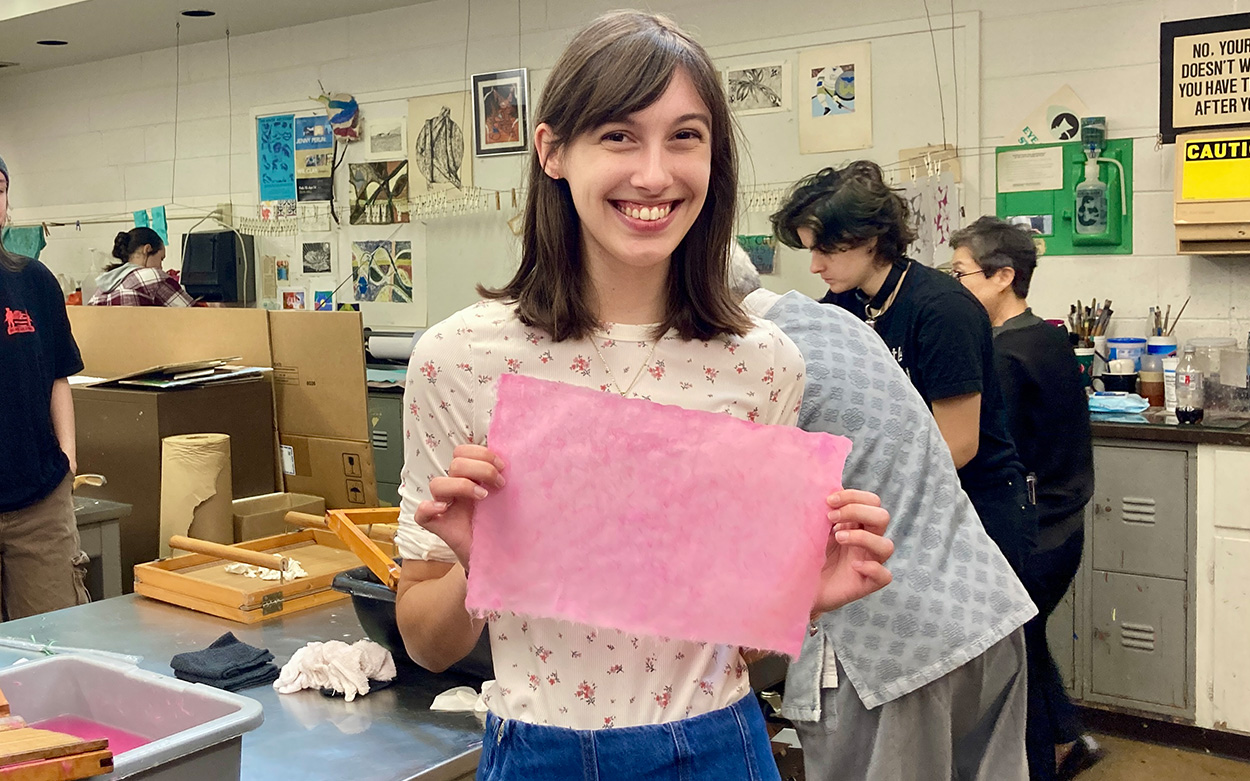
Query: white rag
{"type": "Point", "coordinates": [336, 665]}
{"type": "Point", "coordinates": [462, 698]}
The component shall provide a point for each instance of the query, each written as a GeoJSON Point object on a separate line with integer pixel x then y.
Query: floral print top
{"type": "Point", "coordinates": [558, 672]}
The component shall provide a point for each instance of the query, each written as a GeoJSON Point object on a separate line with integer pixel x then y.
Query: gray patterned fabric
{"type": "Point", "coordinates": [953, 594]}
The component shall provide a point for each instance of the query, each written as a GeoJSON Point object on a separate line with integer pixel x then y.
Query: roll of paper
{"type": "Point", "coordinates": [196, 490]}
{"type": "Point", "coordinates": [397, 348]}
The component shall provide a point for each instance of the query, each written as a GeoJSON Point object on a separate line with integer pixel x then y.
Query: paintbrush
{"type": "Point", "coordinates": [1178, 316]}
{"type": "Point", "coordinates": [1167, 318]}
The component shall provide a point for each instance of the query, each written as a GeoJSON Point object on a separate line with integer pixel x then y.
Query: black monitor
{"type": "Point", "coordinates": [219, 266]}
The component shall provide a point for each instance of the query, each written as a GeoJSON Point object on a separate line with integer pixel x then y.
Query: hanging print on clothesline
{"type": "Point", "coordinates": [379, 192]}
{"type": "Point", "coordinates": [436, 139]}
{"type": "Point", "coordinates": [500, 113]}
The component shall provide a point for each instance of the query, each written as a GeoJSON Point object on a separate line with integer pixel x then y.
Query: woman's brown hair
{"type": "Point", "coordinates": [618, 65]}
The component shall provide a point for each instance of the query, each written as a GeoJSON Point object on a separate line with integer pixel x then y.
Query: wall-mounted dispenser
{"type": "Point", "coordinates": [1077, 197]}
{"type": "Point", "coordinates": [1212, 212]}
{"type": "Point", "coordinates": [1092, 221]}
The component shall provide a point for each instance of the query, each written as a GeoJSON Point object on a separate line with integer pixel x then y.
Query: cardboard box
{"type": "Point", "coordinates": [340, 470]}
{"type": "Point", "coordinates": [119, 433]}
{"type": "Point", "coordinates": [264, 515]}
{"type": "Point", "coordinates": [157, 335]}
{"type": "Point", "coordinates": [319, 374]}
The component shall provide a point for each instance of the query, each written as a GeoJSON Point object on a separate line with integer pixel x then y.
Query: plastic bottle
{"type": "Point", "coordinates": [1091, 201]}
{"type": "Point", "coordinates": [1189, 396]}
{"type": "Point", "coordinates": [1169, 382]}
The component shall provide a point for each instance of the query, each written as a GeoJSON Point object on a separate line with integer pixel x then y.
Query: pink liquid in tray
{"type": "Point", "coordinates": [120, 741]}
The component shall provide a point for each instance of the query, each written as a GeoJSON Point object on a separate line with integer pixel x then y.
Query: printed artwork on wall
{"type": "Point", "coordinates": [387, 138]}
{"type": "Point", "coordinates": [500, 113]}
{"type": "Point", "coordinates": [293, 297]}
{"type": "Point", "coordinates": [314, 157]}
{"type": "Point", "coordinates": [379, 192]}
{"type": "Point", "coordinates": [758, 89]}
{"type": "Point", "coordinates": [284, 269]}
{"type": "Point", "coordinates": [275, 157]}
{"type": "Point", "coordinates": [316, 255]}
{"type": "Point", "coordinates": [382, 271]}
{"type": "Point", "coordinates": [762, 250]}
{"type": "Point", "coordinates": [436, 125]}
{"type": "Point", "coordinates": [277, 210]}
{"type": "Point", "coordinates": [323, 300]}
{"type": "Point", "coordinates": [836, 93]}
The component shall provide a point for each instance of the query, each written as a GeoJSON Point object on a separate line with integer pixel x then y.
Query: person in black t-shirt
{"type": "Point", "coordinates": [40, 567]}
{"type": "Point", "coordinates": [1048, 414]}
{"type": "Point", "coordinates": [857, 229]}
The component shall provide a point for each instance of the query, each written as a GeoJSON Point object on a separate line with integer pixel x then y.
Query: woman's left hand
{"type": "Point", "coordinates": [856, 552]}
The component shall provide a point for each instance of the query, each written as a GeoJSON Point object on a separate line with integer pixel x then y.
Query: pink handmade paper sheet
{"type": "Point", "coordinates": [653, 519]}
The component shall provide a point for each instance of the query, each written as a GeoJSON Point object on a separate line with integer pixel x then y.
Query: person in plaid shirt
{"type": "Point", "coordinates": [138, 279]}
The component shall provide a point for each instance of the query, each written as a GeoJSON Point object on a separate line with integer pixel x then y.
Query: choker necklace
{"type": "Point", "coordinates": [885, 296]}
{"type": "Point", "coordinates": [612, 375]}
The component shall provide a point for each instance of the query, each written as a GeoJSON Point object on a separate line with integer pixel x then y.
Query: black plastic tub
{"type": "Point", "coordinates": [375, 608]}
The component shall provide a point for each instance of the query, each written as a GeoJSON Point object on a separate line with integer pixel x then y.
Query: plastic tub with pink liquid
{"type": "Point", "coordinates": [159, 728]}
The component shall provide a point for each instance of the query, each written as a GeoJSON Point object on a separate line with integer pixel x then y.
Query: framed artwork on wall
{"type": "Point", "coordinates": [500, 113]}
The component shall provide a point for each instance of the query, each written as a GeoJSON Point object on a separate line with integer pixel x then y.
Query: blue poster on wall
{"type": "Point", "coordinates": [275, 157]}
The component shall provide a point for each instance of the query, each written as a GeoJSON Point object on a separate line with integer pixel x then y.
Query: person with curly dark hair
{"type": "Point", "coordinates": [858, 230]}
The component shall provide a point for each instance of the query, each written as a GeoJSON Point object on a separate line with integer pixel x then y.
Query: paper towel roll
{"type": "Point", "coordinates": [397, 348]}
{"type": "Point", "coordinates": [196, 491]}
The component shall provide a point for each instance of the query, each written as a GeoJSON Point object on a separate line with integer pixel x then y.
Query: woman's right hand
{"type": "Point", "coordinates": [474, 472]}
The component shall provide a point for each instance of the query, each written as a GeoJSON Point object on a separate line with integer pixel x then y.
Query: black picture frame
{"type": "Point", "coordinates": [501, 123]}
{"type": "Point", "coordinates": [1168, 33]}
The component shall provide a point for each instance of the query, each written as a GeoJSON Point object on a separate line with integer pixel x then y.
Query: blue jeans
{"type": "Point", "coordinates": [725, 745]}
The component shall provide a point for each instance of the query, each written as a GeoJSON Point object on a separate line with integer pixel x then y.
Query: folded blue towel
{"type": "Point", "coordinates": [1105, 401]}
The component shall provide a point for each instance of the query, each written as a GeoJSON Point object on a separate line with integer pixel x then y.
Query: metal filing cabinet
{"type": "Point", "coordinates": [1130, 611]}
{"type": "Point", "coordinates": [386, 427]}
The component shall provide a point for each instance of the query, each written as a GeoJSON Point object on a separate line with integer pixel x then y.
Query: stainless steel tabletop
{"type": "Point", "coordinates": [388, 735]}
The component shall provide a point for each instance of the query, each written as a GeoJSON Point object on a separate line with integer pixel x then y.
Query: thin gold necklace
{"type": "Point", "coordinates": [871, 316]}
{"type": "Point", "coordinates": [594, 342]}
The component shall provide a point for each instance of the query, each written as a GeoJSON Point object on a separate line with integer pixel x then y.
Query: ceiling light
{"type": "Point", "coordinates": [52, 42]}
{"type": "Point", "coordinates": [199, 13]}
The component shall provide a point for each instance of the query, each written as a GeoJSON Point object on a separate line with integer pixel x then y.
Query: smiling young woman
{"type": "Point", "coordinates": [621, 288]}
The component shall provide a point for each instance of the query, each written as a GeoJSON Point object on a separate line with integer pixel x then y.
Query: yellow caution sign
{"type": "Point", "coordinates": [1216, 169]}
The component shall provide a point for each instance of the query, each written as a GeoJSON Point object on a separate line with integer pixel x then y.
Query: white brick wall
{"type": "Point", "coordinates": [98, 139]}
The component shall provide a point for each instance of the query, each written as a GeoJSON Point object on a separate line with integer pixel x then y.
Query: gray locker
{"type": "Point", "coordinates": [1141, 511]}
{"type": "Point", "coordinates": [1139, 639]}
{"type": "Point", "coordinates": [388, 494]}
{"type": "Point", "coordinates": [386, 427]}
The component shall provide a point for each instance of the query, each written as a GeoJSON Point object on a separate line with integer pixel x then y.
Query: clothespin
{"type": "Point", "coordinates": [497, 206]}
{"type": "Point", "coordinates": [514, 197]}
{"type": "Point", "coordinates": [78, 225]}
{"type": "Point", "coordinates": [47, 232]}
{"type": "Point", "coordinates": [928, 164]}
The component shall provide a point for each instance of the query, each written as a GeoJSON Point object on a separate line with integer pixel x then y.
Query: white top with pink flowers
{"type": "Point", "coordinates": [557, 672]}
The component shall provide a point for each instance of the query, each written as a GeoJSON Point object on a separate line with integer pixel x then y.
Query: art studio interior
{"type": "Point", "coordinates": [540, 389]}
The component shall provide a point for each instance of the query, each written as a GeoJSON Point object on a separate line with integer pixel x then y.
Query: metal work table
{"type": "Point", "coordinates": [1155, 425]}
{"type": "Point", "coordinates": [388, 735]}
